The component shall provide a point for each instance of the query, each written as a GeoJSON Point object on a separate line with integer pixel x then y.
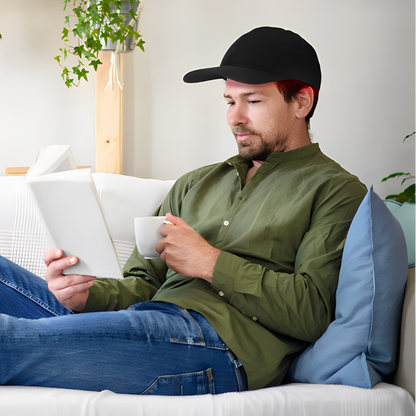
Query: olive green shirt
{"type": "Point", "coordinates": [281, 238]}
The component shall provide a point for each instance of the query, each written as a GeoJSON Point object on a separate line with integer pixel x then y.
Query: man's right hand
{"type": "Point", "coordinates": [71, 290]}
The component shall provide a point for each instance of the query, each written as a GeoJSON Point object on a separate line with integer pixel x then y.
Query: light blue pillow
{"type": "Point", "coordinates": [405, 214]}
{"type": "Point", "coordinates": [360, 345]}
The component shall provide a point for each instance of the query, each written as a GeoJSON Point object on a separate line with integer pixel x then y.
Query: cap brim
{"type": "Point", "coordinates": [244, 75]}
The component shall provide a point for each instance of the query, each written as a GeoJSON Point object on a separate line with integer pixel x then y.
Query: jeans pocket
{"type": "Point", "coordinates": [189, 384]}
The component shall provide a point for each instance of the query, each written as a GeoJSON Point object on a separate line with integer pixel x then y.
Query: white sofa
{"type": "Point", "coordinates": [23, 240]}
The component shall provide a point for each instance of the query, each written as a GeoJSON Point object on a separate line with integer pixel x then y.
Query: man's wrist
{"type": "Point", "coordinates": [211, 259]}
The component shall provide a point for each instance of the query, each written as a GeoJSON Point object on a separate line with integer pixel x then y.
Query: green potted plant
{"type": "Point", "coordinates": [408, 195]}
{"type": "Point", "coordinates": [93, 26]}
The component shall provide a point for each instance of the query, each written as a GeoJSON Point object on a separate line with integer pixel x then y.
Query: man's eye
{"type": "Point", "coordinates": [229, 103]}
{"type": "Point", "coordinates": [254, 102]}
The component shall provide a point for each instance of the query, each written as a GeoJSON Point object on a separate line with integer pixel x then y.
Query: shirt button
{"type": "Point", "coordinates": [254, 318]}
{"type": "Point", "coordinates": [226, 223]}
{"type": "Point", "coordinates": [221, 293]}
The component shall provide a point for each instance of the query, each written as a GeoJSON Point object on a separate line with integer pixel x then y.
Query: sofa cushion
{"type": "Point", "coordinates": [360, 345]}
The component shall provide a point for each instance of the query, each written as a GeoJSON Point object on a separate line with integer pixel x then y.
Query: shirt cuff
{"type": "Point", "coordinates": [235, 274]}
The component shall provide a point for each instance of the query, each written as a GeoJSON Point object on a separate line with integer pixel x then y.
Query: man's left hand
{"type": "Point", "coordinates": [185, 251]}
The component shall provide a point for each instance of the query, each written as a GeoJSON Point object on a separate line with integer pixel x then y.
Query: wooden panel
{"type": "Point", "coordinates": [18, 171]}
{"type": "Point", "coordinates": [109, 120]}
{"type": "Point", "coordinates": [21, 171]}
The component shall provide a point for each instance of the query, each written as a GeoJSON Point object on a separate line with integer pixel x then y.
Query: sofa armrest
{"type": "Point", "coordinates": [405, 373]}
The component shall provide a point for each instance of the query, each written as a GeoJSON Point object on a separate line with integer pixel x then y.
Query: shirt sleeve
{"type": "Point", "coordinates": [142, 280]}
{"type": "Point", "coordinates": [299, 304]}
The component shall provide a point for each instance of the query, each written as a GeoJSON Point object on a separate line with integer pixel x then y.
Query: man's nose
{"type": "Point", "coordinates": [236, 116]}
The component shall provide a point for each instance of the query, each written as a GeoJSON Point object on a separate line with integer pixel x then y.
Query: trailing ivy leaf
{"type": "Point", "coordinates": [65, 73]}
{"type": "Point", "coordinates": [78, 10]}
{"type": "Point", "coordinates": [68, 82]}
{"type": "Point", "coordinates": [83, 73]}
{"type": "Point", "coordinates": [93, 11]}
{"type": "Point", "coordinates": [77, 31]}
{"type": "Point", "coordinates": [80, 73]}
{"type": "Point", "coordinates": [58, 58]}
{"type": "Point", "coordinates": [95, 64]}
{"type": "Point", "coordinates": [65, 33]}
{"type": "Point", "coordinates": [88, 54]}
{"type": "Point", "coordinates": [79, 50]}
{"type": "Point", "coordinates": [117, 20]}
{"type": "Point", "coordinates": [105, 8]}
{"type": "Point", "coordinates": [140, 44]}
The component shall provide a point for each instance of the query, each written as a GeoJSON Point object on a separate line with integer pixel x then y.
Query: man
{"type": "Point", "coordinates": [248, 268]}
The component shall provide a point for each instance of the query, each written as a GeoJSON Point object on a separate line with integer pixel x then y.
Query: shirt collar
{"type": "Point", "coordinates": [280, 157]}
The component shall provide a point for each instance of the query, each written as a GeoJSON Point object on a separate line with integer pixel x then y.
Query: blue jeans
{"type": "Point", "coordinates": [151, 348]}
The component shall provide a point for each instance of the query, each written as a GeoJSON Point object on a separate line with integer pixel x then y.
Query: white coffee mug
{"type": "Point", "coordinates": [146, 230]}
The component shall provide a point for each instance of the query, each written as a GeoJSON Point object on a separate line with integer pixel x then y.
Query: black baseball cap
{"type": "Point", "coordinates": [265, 54]}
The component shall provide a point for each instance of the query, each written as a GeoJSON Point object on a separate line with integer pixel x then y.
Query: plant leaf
{"type": "Point", "coordinates": [68, 82]}
{"type": "Point", "coordinates": [406, 179]}
{"type": "Point", "coordinates": [409, 135]}
{"type": "Point", "coordinates": [65, 34]}
{"type": "Point", "coordinates": [408, 195]}
{"type": "Point", "coordinates": [394, 175]}
{"type": "Point", "coordinates": [140, 44]}
{"type": "Point", "coordinates": [95, 64]}
{"type": "Point", "coordinates": [410, 190]}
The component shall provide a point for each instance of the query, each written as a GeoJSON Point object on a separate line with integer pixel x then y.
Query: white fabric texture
{"type": "Point", "coordinates": [23, 237]}
{"type": "Point", "coordinates": [292, 400]}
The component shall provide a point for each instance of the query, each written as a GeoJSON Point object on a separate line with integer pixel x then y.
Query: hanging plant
{"type": "Point", "coordinates": [408, 195]}
{"type": "Point", "coordinates": [93, 25]}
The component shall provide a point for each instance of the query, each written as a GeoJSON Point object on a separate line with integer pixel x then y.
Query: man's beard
{"type": "Point", "coordinates": [261, 149]}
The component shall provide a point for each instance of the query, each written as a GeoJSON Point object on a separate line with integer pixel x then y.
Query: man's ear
{"type": "Point", "coordinates": [304, 100]}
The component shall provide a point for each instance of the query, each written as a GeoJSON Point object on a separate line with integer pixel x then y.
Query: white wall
{"type": "Point", "coordinates": [366, 107]}
{"type": "Point", "coordinates": [367, 102]}
{"type": "Point", "coordinates": [36, 108]}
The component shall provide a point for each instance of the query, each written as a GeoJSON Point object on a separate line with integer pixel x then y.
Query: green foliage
{"type": "Point", "coordinates": [408, 195]}
{"type": "Point", "coordinates": [94, 23]}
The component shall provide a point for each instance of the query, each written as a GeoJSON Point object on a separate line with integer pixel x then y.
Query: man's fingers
{"type": "Point", "coordinates": [172, 219]}
{"type": "Point", "coordinates": [71, 281]}
{"type": "Point", "coordinates": [51, 255]}
{"type": "Point", "coordinates": [69, 292]}
{"type": "Point", "coordinates": [176, 220]}
{"type": "Point", "coordinates": [56, 267]}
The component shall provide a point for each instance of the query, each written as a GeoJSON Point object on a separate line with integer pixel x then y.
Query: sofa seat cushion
{"type": "Point", "coordinates": [294, 400]}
